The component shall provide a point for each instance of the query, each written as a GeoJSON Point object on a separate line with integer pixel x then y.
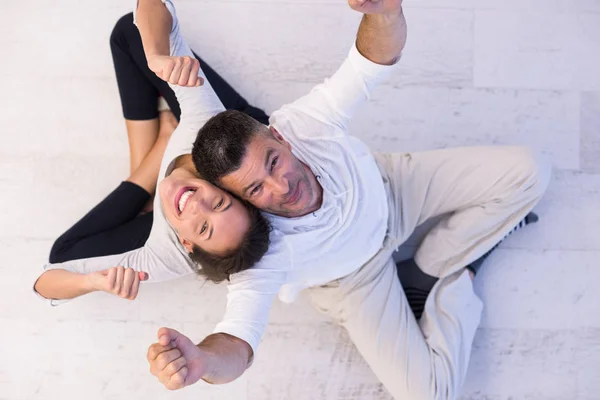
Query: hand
{"type": "Point", "coordinates": [175, 360]}
{"type": "Point", "coordinates": [376, 6]}
{"type": "Point", "coordinates": [182, 71]}
{"type": "Point", "coordinates": [120, 281]}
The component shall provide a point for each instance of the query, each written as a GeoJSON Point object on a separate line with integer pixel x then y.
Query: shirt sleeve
{"type": "Point", "coordinates": [336, 100]}
{"type": "Point", "coordinates": [198, 104]}
{"type": "Point", "coordinates": [143, 259]}
{"type": "Point", "coordinates": [251, 294]}
{"type": "Point", "coordinates": [250, 297]}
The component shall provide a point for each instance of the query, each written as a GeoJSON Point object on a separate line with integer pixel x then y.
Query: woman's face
{"type": "Point", "coordinates": [201, 213]}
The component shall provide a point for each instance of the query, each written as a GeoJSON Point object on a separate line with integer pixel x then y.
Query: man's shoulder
{"type": "Point", "coordinates": [279, 255]}
{"type": "Point", "coordinates": [294, 123]}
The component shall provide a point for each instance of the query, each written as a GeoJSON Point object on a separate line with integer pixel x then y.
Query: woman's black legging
{"type": "Point", "coordinates": [115, 225]}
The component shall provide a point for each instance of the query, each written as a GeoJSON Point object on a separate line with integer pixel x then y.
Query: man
{"type": "Point", "coordinates": [339, 212]}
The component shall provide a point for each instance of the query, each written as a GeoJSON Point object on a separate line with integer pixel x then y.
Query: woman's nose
{"type": "Point", "coordinates": [198, 206]}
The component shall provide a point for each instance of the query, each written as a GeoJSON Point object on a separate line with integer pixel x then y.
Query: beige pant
{"type": "Point", "coordinates": [482, 193]}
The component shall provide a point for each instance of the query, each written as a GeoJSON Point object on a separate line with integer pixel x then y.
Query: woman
{"type": "Point", "coordinates": [213, 228]}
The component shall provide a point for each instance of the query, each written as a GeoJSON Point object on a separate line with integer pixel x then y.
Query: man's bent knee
{"type": "Point", "coordinates": [535, 170]}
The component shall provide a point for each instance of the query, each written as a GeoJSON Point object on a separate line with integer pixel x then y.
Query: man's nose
{"type": "Point", "coordinates": [279, 185]}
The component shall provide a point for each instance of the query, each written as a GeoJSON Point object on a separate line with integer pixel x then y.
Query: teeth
{"type": "Point", "coordinates": [184, 198]}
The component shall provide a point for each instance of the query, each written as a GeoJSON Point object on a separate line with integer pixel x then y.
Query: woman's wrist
{"type": "Point", "coordinates": [86, 283]}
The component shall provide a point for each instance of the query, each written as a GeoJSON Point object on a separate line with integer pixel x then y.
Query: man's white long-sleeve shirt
{"type": "Point", "coordinates": [312, 250]}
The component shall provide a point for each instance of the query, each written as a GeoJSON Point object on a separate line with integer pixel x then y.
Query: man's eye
{"type": "Point", "coordinates": [204, 228]}
{"type": "Point", "coordinates": [219, 205]}
{"type": "Point", "coordinates": [255, 190]}
{"type": "Point", "coordinates": [274, 162]}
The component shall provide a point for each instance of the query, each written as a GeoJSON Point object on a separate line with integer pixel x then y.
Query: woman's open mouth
{"type": "Point", "coordinates": [182, 198]}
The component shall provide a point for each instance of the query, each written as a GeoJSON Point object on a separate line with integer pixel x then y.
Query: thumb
{"type": "Point", "coordinates": [166, 335]}
{"type": "Point", "coordinates": [143, 276]}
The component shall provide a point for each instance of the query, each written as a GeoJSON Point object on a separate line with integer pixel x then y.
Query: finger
{"type": "Point", "coordinates": [157, 349]}
{"type": "Point", "coordinates": [119, 279]}
{"type": "Point", "coordinates": [135, 286]}
{"type": "Point", "coordinates": [174, 366]}
{"type": "Point", "coordinates": [177, 381]}
{"type": "Point", "coordinates": [166, 335]}
{"type": "Point", "coordinates": [165, 358]}
{"type": "Point", "coordinates": [186, 66]}
{"type": "Point", "coordinates": [166, 68]}
{"type": "Point", "coordinates": [128, 279]}
{"type": "Point", "coordinates": [111, 277]}
{"type": "Point", "coordinates": [143, 276]}
{"type": "Point", "coordinates": [176, 72]}
{"type": "Point", "coordinates": [193, 79]}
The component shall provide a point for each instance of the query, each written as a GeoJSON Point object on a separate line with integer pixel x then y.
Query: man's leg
{"type": "Point", "coordinates": [482, 193]}
{"type": "Point", "coordinates": [412, 362]}
{"type": "Point", "coordinates": [417, 284]}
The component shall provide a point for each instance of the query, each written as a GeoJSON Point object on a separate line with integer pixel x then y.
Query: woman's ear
{"type": "Point", "coordinates": [189, 246]}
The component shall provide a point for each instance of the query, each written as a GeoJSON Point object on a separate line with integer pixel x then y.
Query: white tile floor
{"type": "Point", "coordinates": [474, 72]}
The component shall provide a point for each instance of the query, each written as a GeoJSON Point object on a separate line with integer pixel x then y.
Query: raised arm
{"type": "Point", "coordinates": [382, 31]}
{"type": "Point", "coordinates": [223, 356]}
{"type": "Point", "coordinates": [172, 60]}
{"type": "Point", "coordinates": [379, 43]}
{"type": "Point", "coordinates": [177, 362]}
{"type": "Point", "coordinates": [155, 24]}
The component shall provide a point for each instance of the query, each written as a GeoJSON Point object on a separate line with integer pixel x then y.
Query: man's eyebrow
{"type": "Point", "coordinates": [269, 152]}
{"type": "Point", "coordinates": [268, 156]}
{"type": "Point", "coordinates": [249, 186]}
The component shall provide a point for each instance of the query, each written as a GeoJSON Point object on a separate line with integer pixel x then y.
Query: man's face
{"type": "Point", "coordinates": [273, 179]}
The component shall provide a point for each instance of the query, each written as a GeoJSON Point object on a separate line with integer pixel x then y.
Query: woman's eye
{"type": "Point", "coordinates": [219, 205]}
{"type": "Point", "coordinates": [274, 162]}
{"type": "Point", "coordinates": [204, 228]}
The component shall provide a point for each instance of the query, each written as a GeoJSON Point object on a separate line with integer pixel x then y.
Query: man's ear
{"type": "Point", "coordinates": [280, 138]}
{"type": "Point", "coordinates": [189, 246]}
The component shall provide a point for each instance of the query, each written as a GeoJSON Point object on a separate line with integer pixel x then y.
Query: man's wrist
{"type": "Point", "coordinates": [387, 19]}
{"type": "Point", "coordinates": [208, 356]}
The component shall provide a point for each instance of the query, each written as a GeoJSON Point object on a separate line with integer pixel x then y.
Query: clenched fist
{"type": "Point", "coordinates": [175, 360]}
{"type": "Point", "coordinates": [182, 71]}
{"type": "Point", "coordinates": [120, 281]}
{"type": "Point", "coordinates": [376, 6]}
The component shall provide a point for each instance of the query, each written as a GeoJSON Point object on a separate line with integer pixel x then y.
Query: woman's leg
{"type": "Point", "coordinates": [139, 97]}
{"type": "Point", "coordinates": [141, 136]}
{"type": "Point", "coordinates": [102, 231]}
{"type": "Point", "coordinates": [115, 225]}
{"type": "Point", "coordinates": [146, 174]}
